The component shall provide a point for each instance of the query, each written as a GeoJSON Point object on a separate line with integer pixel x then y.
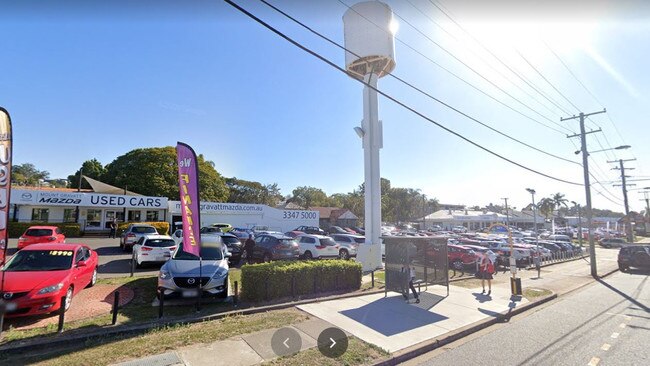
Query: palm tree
{"type": "Point", "coordinates": [559, 200]}
{"type": "Point", "coordinates": [546, 207]}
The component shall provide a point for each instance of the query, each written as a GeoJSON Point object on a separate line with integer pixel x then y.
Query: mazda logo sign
{"type": "Point", "coordinates": [191, 281]}
{"type": "Point", "coordinates": [7, 295]}
{"type": "Point", "coordinates": [26, 196]}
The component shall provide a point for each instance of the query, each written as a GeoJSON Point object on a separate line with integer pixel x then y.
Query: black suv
{"type": "Point", "coordinates": [314, 230]}
{"type": "Point", "coordinates": [637, 256]}
{"type": "Point", "coordinates": [269, 247]}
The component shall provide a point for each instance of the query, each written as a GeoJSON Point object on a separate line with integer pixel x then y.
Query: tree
{"type": "Point", "coordinates": [546, 207]}
{"type": "Point", "coordinates": [91, 168]}
{"type": "Point", "coordinates": [27, 175]}
{"type": "Point", "coordinates": [306, 197]}
{"type": "Point", "coordinates": [154, 172]}
{"type": "Point", "coordinates": [559, 201]}
{"type": "Point", "coordinates": [243, 191]}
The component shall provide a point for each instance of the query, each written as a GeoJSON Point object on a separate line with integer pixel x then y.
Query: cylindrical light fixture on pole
{"type": "Point", "coordinates": [532, 193]}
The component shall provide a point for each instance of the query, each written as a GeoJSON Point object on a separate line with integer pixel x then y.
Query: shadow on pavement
{"type": "Point", "coordinates": [626, 296]}
{"type": "Point", "coordinates": [482, 297]}
{"type": "Point", "coordinates": [110, 251]}
{"type": "Point", "coordinates": [407, 317]}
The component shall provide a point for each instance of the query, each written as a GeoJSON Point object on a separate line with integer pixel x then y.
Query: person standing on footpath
{"type": "Point", "coordinates": [487, 269]}
{"type": "Point", "coordinates": [248, 248]}
{"type": "Point", "coordinates": [113, 227]}
{"type": "Point", "coordinates": [410, 272]}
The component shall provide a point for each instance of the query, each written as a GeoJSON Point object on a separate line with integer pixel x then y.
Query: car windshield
{"type": "Point", "coordinates": [159, 243]}
{"type": "Point", "coordinates": [144, 230]}
{"type": "Point", "coordinates": [291, 242]}
{"type": "Point", "coordinates": [229, 240]}
{"type": "Point", "coordinates": [208, 252]}
{"type": "Point", "coordinates": [38, 232]}
{"type": "Point", "coordinates": [40, 260]}
{"type": "Point", "coordinates": [327, 242]}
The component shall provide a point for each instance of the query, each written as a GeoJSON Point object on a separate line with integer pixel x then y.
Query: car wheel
{"type": "Point", "coordinates": [224, 294]}
{"type": "Point", "coordinates": [343, 254]}
{"type": "Point", "coordinates": [68, 299]}
{"type": "Point", "coordinates": [457, 264]}
{"type": "Point", "coordinates": [308, 255]}
{"type": "Point", "coordinates": [622, 268]}
{"type": "Point", "coordinates": [267, 258]}
{"type": "Point", "coordinates": [93, 279]}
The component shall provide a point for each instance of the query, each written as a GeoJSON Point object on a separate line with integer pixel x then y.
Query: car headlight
{"type": "Point", "coordinates": [50, 289]}
{"type": "Point", "coordinates": [221, 272]}
{"type": "Point", "coordinates": [164, 275]}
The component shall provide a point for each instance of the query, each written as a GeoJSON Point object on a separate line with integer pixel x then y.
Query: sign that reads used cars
{"type": "Point", "coordinates": [53, 198]}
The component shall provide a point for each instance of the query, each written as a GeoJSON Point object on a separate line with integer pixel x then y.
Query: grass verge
{"type": "Point", "coordinates": [111, 350]}
{"type": "Point", "coordinates": [534, 293]}
{"type": "Point", "coordinates": [358, 353]}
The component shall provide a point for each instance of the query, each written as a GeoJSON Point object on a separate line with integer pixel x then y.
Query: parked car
{"type": "Point", "coordinates": [270, 247]}
{"type": "Point", "coordinates": [612, 242]}
{"type": "Point", "coordinates": [317, 246]}
{"type": "Point", "coordinates": [225, 228]}
{"type": "Point", "coordinates": [637, 256]}
{"type": "Point", "coordinates": [37, 277]}
{"type": "Point", "coordinates": [153, 249]}
{"type": "Point", "coordinates": [348, 244]}
{"type": "Point", "coordinates": [184, 275]}
{"type": "Point", "coordinates": [234, 247]}
{"type": "Point", "coordinates": [336, 230]}
{"type": "Point", "coordinates": [293, 234]}
{"type": "Point", "coordinates": [133, 233]}
{"type": "Point", "coordinates": [315, 230]}
{"type": "Point", "coordinates": [552, 247]}
{"type": "Point", "coordinates": [40, 234]}
{"type": "Point", "coordinates": [459, 256]}
{"type": "Point", "coordinates": [359, 230]}
{"type": "Point", "coordinates": [211, 230]}
{"type": "Point", "coordinates": [559, 237]}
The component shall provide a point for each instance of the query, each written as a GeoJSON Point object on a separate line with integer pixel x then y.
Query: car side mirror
{"type": "Point", "coordinates": [81, 264]}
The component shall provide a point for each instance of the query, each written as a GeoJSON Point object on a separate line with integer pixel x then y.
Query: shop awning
{"type": "Point", "coordinates": [100, 187]}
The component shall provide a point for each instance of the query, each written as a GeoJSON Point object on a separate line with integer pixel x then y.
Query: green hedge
{"type": "Point", "coordinates": [16, 229]}
{"type": "Point", "coordinates": [268, 281]}
{"type": "Point", "coordinates": [161, 226]}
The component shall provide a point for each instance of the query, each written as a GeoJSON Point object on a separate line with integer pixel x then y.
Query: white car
{"type": "Point", "coordinates": [153, 249]}
{"type": "Point", "coordinates": [317, 246]}
{"type": "Point", "coordinates": [348, 244]}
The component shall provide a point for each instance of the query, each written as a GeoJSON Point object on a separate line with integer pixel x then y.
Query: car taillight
{"type": "Point", "coordinates": [130, 235]}
{"type": "Point", "coordinates": [146, 249]}
{"type": "Point", "coordinates": [172, 248]}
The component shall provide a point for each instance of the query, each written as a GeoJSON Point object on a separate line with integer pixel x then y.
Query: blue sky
{"type": "Point", "coordinates": [89, 80]}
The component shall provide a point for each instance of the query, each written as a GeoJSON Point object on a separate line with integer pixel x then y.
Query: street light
{"type": "Point", "coordinates": [575, 204]}
{"type": "Point", "coordinates": [622, 147]}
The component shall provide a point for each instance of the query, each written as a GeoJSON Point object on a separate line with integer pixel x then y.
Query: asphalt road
{"type": "Point", "coordinates": [606, 323]}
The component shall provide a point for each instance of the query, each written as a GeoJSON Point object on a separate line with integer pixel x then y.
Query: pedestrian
{"type": "Point", "coordinates": [248, 248]}
{"type": "Point", "coordinates": [410, 272]}
{"type": "Point", "coordinates": [113, 227]}
{"type": "Point", "coordinates": [487, 269]}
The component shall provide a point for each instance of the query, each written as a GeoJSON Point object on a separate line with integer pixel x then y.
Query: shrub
{"type": "Point", "coordinates": [70, 230]}
{"type": "Point", "coordinates": [161, 226]}
{"type": "Point", "coordinates": [274, 280]}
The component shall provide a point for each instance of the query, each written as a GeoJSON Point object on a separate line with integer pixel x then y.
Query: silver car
{"type": "Point", "coordinates": [182, 275]}
{"type": "Point", "coordinates": [348, 244]}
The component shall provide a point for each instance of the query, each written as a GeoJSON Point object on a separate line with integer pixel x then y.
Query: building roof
{"type": "Point", "coordinates": [334, 213]}
{"type": "Point", "coordinates": [466, 215]}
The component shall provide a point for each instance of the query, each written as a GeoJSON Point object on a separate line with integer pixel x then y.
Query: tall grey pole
{"type": "Point", "coordinates": [579, 226]}
{"type": "Point", "coordinates": [535, 221]}
{"type": "Point", "coordinates": [628, 228]}
{"type": "Point", "coordinates": [585, 169]}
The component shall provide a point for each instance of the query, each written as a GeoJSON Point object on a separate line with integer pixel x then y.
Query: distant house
{"type": "Point", "coordinates": [334, 216]}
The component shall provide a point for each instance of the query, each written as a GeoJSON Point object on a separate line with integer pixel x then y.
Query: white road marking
{"type": "Point", "coordinates": [622, 325]}
{"type": "Point", "coordinates": [606, 347]}
{"type": "Point", "coordinates": [594, 361]}
{"type": "Point", "coordinates": [615, 335]}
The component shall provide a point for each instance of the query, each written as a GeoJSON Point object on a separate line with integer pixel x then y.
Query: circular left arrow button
{"type": "Point", "coordinates": [286, 341]}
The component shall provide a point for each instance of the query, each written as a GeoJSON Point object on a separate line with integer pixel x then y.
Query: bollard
{"type": "Point", "coordinates": [198, 298]}
{"type": "Point", "coordinates": [161, 302]}
{"type": "Point", "coordinates": [116, 305]}
{"type": "Point", "coordinates": [372, 276]}
{"type": "Point", "coordinates": [132, 263]}
{"type": "Point", "coordinates": [61, 315]}
{"type": "Point", "coordinates": [236, 297]}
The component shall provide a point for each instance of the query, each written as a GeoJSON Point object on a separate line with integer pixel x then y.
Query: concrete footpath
{"type": "Point", "coordinates": [391, 323]}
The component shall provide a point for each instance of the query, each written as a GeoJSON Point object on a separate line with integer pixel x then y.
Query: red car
{"type": "Point", "coordinates": [41, 234]}
{"type": "Point", "coordinates": [459, 256]}
{"type": "Point", "coordinates": [37, 277]}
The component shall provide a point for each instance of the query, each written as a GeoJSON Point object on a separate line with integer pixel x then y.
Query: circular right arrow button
{"type": "Point", "coordinates": [332, 342]}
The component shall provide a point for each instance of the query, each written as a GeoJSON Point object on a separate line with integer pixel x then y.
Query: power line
{"type": "Point", "coordinates": [388, 96]}
{"type": "Point", "coordinates": [320, 35]}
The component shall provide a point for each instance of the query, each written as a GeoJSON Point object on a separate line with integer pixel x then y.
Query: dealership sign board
{"type": "Point", "coordinates": [53, 198]}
